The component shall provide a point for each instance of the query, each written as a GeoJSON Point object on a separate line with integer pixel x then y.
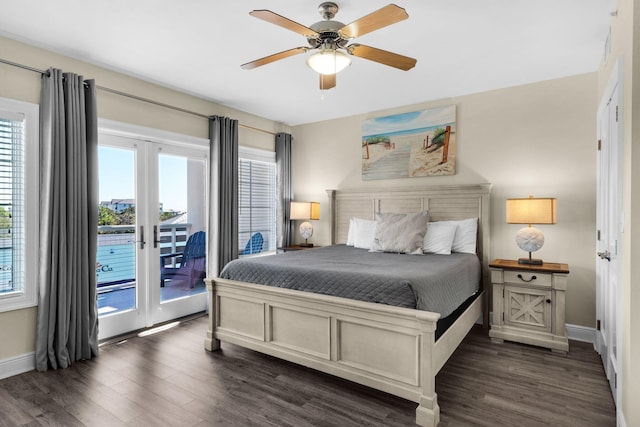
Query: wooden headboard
{"type": "Point", "coordinates": [444, 202]}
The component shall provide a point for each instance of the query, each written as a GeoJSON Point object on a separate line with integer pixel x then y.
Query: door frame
{"type": "Point", "coordinates": [604, 302]}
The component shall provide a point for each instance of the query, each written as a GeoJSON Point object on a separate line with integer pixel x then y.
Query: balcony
{"type": "Point", "coordinates": [116, 266]}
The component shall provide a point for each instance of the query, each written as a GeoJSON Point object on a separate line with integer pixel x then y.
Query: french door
{"type": "Point", "coordinates": [151, 235]}
{"type": "Point", "coordinates": [608, 233]}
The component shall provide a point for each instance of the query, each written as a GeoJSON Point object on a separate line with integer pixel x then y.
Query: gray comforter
{"type": "Point", "coordinates": [437, 283]}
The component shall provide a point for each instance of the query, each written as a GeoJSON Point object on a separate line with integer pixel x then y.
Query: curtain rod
{"type": "Point", "coordinates": [136, 97]}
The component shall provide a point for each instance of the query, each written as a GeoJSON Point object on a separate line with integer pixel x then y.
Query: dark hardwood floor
{"type": "Point", "coordinates": [167, 379]}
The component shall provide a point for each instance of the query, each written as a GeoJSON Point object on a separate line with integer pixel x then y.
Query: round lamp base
{"type": "Point", "coordinates": [306, 231]}
{"type": "Point", "coordinates": [530, 239]}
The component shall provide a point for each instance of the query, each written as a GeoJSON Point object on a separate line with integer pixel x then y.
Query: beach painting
{"type": "Point", "coordinates": [420, 143]}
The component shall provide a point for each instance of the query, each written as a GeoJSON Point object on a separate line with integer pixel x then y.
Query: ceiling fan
{"type": "Point", "coordinates": [330, 38]}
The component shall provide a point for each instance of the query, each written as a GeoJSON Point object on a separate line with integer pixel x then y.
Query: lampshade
{"type": "Point", "coordinates": [328, 61]}
{"type": "Point", "coordinates": [531, 211]}
{"type": "Point", "coordinates": [305, 210]}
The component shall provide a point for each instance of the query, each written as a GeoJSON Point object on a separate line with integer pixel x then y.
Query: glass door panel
{"type": "Point", "coordinates": [179, 225]}
{"type": "Point", "coordinates": [115, 267]}
{"type": "Point", "coordinates": [121, 296]}
{"type": "Point", "coordinates": [182, 225]}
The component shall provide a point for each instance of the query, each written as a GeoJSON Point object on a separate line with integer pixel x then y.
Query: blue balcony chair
{"type": "Point", "coordinates": [191, 267]}
{"type": "Point", "coordinates": [254, 245]}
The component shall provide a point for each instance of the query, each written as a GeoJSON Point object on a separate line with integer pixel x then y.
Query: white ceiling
{"type": "Point", "coordinates": [197, 46]}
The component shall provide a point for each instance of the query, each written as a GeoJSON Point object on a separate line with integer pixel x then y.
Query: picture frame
{"type": "Point", "coordinates": [408, 145]}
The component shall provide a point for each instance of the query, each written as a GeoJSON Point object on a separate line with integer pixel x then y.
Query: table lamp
{"type": "Point", "coordinates": [305, 211]}
{"type": "Point", "coordinates": [531, 211]}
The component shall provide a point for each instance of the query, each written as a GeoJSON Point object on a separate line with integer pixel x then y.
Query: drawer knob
{"type": "Point", "coordinates": [525, 280]}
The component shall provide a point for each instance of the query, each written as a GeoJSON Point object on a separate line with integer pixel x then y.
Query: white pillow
{"type": "Point", "coordinates": [400, 233]}
{"type": "Point", "coordinates": [352, 231]}
{"type": "Point", "coordinates": [439, 238]}
{"type": "Point", "coordinates": [466, 235]}
{"type": "Point", "coordinates": [365, 231]}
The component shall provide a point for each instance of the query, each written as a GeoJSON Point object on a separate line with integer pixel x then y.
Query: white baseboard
{"type": "Point", "coordinates": [574, 332]}
{"type": "Point", "coordinates": [581, 333]}
{"type": "Point", "coordinates": [621, 421]}
{"type": "Point", "coordinates": [17, 365]}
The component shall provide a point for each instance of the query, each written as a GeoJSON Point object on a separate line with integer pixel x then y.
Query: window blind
{"type": "Point", "coordinates": [256, 204]}
{"type": "Point", "coordinates": [12, 163]}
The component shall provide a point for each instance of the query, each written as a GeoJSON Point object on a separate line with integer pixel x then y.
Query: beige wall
{"type": "Point", "coordinates": [17, 332]}
{"type": "Point", "coordinates": [537, 139]}
{"type": "Point", "coordinates": [17, 328]}
{"type": "Point", "coordinates": [623, 33]}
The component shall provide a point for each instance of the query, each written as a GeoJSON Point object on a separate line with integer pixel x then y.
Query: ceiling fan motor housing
{"type": "Point", "coordinates": [328, 10]}
{"type": "Point", "coordinates": [329, 34]}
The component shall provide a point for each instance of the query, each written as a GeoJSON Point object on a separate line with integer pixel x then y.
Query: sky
{"type": "Point", "coordinates": [412, 120]}
{"type": "Point", "coordinates": [116, 177]}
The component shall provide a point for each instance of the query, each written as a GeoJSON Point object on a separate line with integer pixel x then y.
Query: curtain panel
{"type": "Point", "coordinates": [284, 228]}
{"type": "Point", "coordinates": [223, 193]}
{"type": "Point", "coordinates": [67, 326]}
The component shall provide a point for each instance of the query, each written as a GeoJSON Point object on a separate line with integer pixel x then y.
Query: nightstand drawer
{"type": "Point", "coordinates": [528, 278]}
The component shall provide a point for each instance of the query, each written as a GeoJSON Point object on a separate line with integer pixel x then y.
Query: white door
{"type": "Point", "coordinates": [152, 200]}
{"type": "Point", "coordinates": [179, 224]}
{"type": "Point", "coordinates": [609, 227]}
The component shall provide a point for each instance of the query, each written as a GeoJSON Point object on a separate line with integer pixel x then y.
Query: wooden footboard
{"type": "Point", "coordinates": [388, 348]}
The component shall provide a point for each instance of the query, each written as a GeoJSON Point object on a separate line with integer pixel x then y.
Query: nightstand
{"type": "Point", "coordinates": [528, 303]}
{"type": "Point", "coordinates": [294, 248]}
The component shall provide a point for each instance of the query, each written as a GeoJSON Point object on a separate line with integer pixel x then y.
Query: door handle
{"type": "Point", "coordinates": [605, 255]}
{"type": "Point", "coordinates": [141, 241]}
{"type": "Point", "coordinates": [155, 236]}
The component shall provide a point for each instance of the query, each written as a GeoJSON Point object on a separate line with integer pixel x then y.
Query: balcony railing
{"type": "Point", "coordinates": [116, 258]}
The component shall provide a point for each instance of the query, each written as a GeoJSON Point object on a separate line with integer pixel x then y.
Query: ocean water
{"type": "Point", "coordinates": [408, 131]}
{"type": "Point", "coordinates": [116, 263]}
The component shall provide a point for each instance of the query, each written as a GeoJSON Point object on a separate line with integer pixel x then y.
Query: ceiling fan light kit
{"type": "Point", "coordinates": [328, 61]}
{"type": "Point", "coordinates": [330, 38]}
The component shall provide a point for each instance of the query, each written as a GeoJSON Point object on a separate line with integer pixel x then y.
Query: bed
{"type": "Point", "coordinates": [392, 349]}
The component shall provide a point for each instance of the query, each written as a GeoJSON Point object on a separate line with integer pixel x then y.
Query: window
{"type": "Point", "coordinates": [256, 201]}
{"type": "Point", "coordinates": [18, 204]}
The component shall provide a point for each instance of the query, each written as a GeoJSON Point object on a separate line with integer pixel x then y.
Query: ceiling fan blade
{"type": "Point", "coordinates": [272, 58]}
{"type": "Point", "coordinates": [327, 81]}
{"type": "Point", "coordinates": [390, 14]}
{"type": "Point", "coordinates": [382, 56]}
{"type": "Point", "coordinates": [274, 18]}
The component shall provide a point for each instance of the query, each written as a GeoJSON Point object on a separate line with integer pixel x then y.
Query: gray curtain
{"type": "Point", "coordinates": [67, 328]}
{"type": "Point", "coordinates": [223, 193]}
{"type": "Point", "coordinates": [284, 228]}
